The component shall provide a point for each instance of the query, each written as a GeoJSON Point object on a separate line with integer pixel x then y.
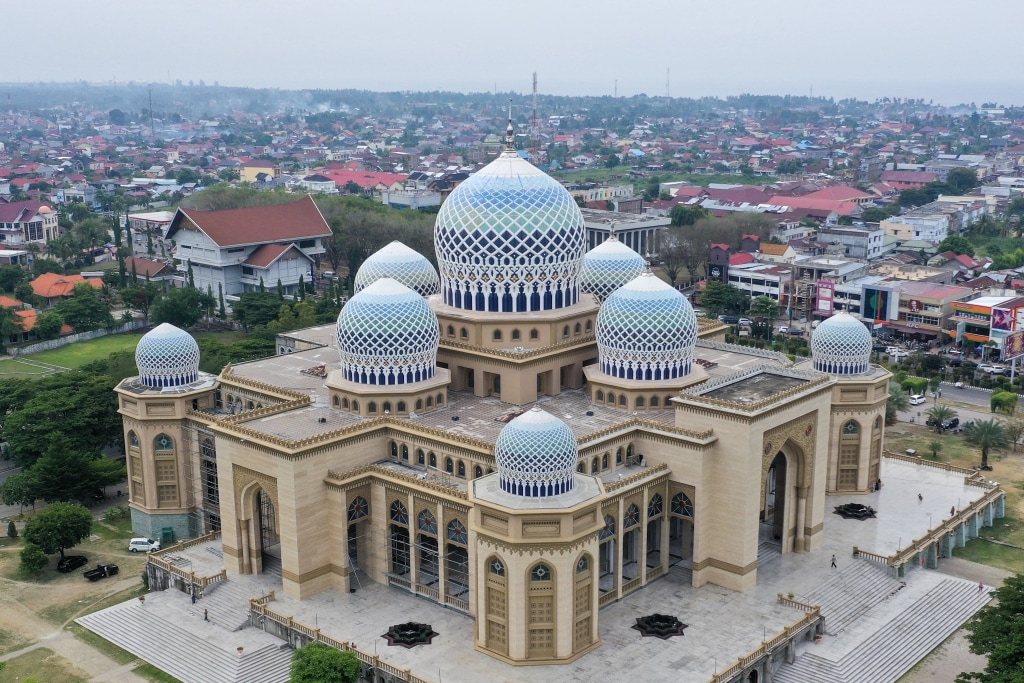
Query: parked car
{"type": "Point", "coordinates": [70, 563]}
{"type": "Point", "coordinates": [917, 399]}
{"type": "Point", "coordinates": [745, 321]}
{"type": "Point", "coordinates": [796, 333]}
{"type": "Point", "coordinates": [101, 571]}
{"type": "Point", "coordinates": [143, 545]}
{"type": "Point", "coordinates": [784, 330]}
{"type": "Point", "coordinates": [897, 354]}
{"type": "Point", "coordinates": [728, 319]}
{"type": "Point", "coordinates": [991, 369]}
{"type": "Point", "coordinates": [950, 423]}
{"type": "Point", "coordinates": [879, 348]}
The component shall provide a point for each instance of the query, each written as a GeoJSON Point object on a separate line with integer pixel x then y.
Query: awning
{"type": "Point", "coordinates": [907, 329]}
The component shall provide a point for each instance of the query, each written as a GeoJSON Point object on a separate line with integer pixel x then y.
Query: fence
{"type": "Point", "coordinates": [809, 621]}
{"type": "Point", "coordinates": [36, 347]}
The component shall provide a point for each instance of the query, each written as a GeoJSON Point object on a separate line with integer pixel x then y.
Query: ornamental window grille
{"type": "Point", "coordinates": [655, 505]}
{"type": "Point", "coordinates": [163, 443]}
{"type": "Point", "coordinates": [497, 567]}
{"type": "Point", "coordinates": [682, 505]}
{"type": "Point", "coordinates": [540, 573]}
{"type": "Point", "coordinates": [358, 509]}
{"type": "Point", "coordinates": [583, 565]}
{"type": "Point", "coordinates": [609, 528]}
{"type": "Point", "coordinates": [133, 439]}
{"type": "Point", "coordinates": [426, 522]}
{"type": "Point", "coordinates": [632, 517]}
{"type": "Point", "coordinates": [399, 515]}
{"type": "Point", "coordinates": [457, 532]}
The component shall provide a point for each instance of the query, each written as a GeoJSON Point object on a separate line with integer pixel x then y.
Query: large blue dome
{"type": "Point", "coordinates": [646, 330]}
{"type": "Point", "coordinates": [841, 345]}
{"type": "Point", "coordinates": [510, 239]}
{"type": "Point", "coordinates": [387, 334]}
{"type": "Point", "coordinates": [401, 263]}
{"type": "Point", "coordinates": [608, 266]}
{"type": "Point", "coordinates": [536, 454]}
{"type": "Point", "coordinates": [167, 357]}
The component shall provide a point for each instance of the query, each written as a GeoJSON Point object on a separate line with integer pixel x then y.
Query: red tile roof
{"type": "Point", "coordinates": [275, 223]}
{"type": "Point", "coordinates": [8, 302]}
{"type": "Point", "coordinates": [28, 319]}
{"type": "Point", "coordinates": [20, 211]}
{"type": "Point", "coordinates": [843, 193]}
{"type": "Point", "coordinates": [145, 267]}
{"type": "Point", "coordinates": [50, 285]}
{"type": "Point", "coordinates": [740, 259]}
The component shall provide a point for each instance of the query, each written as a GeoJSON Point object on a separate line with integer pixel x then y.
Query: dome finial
{"type": "Point", "coordinates": [611, 231]}
{"type": "Point", "coordinates": [510, 133]}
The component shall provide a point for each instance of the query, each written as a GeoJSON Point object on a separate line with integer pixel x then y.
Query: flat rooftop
{"type": "Point", "coordinates": [755, 388]}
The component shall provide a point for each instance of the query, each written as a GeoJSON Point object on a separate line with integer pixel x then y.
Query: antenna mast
{"type": "Point", "coordinates": [668, 92]}
{"type": "Point", "coordinates": [535, 130]}
{"type": "Point", "coordinates": [152, 128]}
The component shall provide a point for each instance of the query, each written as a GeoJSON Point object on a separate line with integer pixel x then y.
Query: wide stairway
{"type": "Point", "coordinates": [851, 593]}
{"type": "Point", "coordinates": [188, 648]}
{"type": "Point", "coordinates": [880, 649]}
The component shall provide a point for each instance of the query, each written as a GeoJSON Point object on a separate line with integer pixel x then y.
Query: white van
{"type": "Point", "coordinates": [917, 399]}
{"type": "Point", "coordinates": [143, 545]}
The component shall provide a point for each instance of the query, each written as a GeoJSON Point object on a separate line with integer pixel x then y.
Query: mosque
{"type": "Point", "coordinates": [525, 435]}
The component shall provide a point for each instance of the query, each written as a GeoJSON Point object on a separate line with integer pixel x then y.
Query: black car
{"type": "Point", "coordinates": [950, 423]}
{"type": "Point", "coordinates": [101, 571]}
{"type": "Point", "coordinates": [71, 563]}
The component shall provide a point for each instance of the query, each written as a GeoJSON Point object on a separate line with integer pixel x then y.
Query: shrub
{"type": "Point", "coordinates": [116, 513]}
{"type": "Point", "coordinates": [12, 531]}
{"type": "Point", "coordinates": [915, 385]}
{"type": "Point", "coordinates": [33, 558]}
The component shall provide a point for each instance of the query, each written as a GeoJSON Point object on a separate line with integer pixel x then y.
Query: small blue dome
{"type": "Point", "coordinates": [646, 330]}
{"type": "Point", "coordinates": [536, 454]}
{"type": "Point", "coordinates": [401, 263]}
{"type": "Point", "coordinates": [608, 266]}
{"type": "Point", "coordinates": [167, 357]}
{"type": "Point", "coordinates": [841, 345]}
{"type": "Point", "coordinates": [509, 239]}
{"type": "Point", "coordinates": [387, 334]}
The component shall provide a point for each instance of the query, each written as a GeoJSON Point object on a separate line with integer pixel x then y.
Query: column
{"type": "Point", "coordinates": [1000, 504]}
{"type": "Point", "coordinates": [961, 534]}
{"type": "Point", "coordinates": [243, 534]}
{"type": "Point", "coordinates": [644, 521]}
{"type": "Point", "coordinates": [932, 557]}
{"type": "Point", "coordinates": [618, 548]}
{"type": "Point", "coordinates": [344, 579]}
{"type": "Point", "coordinates": [414, 555]}
{"type": "Point", "coordinates": [948, 541]}
{"type": "Point", "coordinates": [442, 555]}
{"type": "Point", "coordinates": [801, 514]}
{"type": "Point", "coordinates": [988, 512]}
{"type": "Point", "coordinates": [666, 528]}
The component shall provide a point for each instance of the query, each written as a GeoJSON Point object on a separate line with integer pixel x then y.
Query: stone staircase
{"type": "Point", "coordinates": [192, 651]}
{"type": "Point", "coordinates": [767, 551]}
{"type": "Point", "coordinates": [227, 603]}
{"type": "Point", "coordinates": [851, 593]}
{"type": "Point", "coordinates": [888, 652]}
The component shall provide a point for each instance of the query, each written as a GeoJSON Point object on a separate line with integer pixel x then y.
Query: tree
{"type": "Point", "coordinates": [986, 435]}
{"type": "Point", "coordinates": [995, 631]}
{"type": "Point", "coordinates": [319, 663]}
{"type": "Point", "coordinates": [687, 215]}
{"type": "Point", "coordinates": [49, 325]}
{"type": "Point", "coordinates": [19, 489]}
{"type": "Point", "coordinates": [85, 310]}
{"type": "Point", "coordinates": [186, 176]}
{"type": "Point", "coordinates": [764, 307]}
{"type": "Point", "coordinates": [962, 180]}
{"type": "Point", "coordinates": [935, 446]}
{"type": "Point", "coordinates": [256, 308]}
{"type": "Point", "coordinates": [719, 297]}
{"type": "Point", "coordinates": [59, 527]}
{"type": "Point", "coordinates": [939, 413]}
{"type": "Point", "coordinates": [10, 278]}
{"type": "Point", "coordinates": [64, 473]}
{"type": "Point", "coordinates": [33, 558]}
{"type": "Point", "coordinates": [957, 245]}
{"type": "Point", "coordinates": [180, 307]}
{"type": "Point", "coordinates": [898, 402]}
{"type": "Point", "coordinates": [12, 530]}
{"type": "Point", "coordinates": [1005, 401]}
{"type": "Point", "coordinates": [140, 297]}
{"type": "Point", "coordinates": [612, 161]}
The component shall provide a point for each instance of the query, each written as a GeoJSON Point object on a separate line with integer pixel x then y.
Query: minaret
{"type": "Point", "coordinates": [510, 133]}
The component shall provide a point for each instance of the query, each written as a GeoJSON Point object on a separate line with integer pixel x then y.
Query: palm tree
{"type": "Point", "coordinates": [986, 435]}
{"type": "Point", "coordinates": [898, 401]}
{"type": "Point", "coordinates": [939, 413]}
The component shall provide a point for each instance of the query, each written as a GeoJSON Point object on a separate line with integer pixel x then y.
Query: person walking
{"type": "Point", "coordinates": [920, 498]}
{"type": "Point", "coordinates": [833, 562]}
{"type": "Point", "coordinates": [206, 615]}
{"type": "Point", "coordinates": [981, 586]}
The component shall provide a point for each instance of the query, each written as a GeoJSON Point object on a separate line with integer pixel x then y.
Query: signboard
{"type": "Point", "coordinates": [826, 295]}
{"type": "Point", "coordinates": [971, 308]}
{"type": "Point", "coordinates": [1002, 319]}
{"type": "Point", "coordinates": [914, 306]}
{"type": "Point", "coordinates": [1013, 346]}
{"type": "Point", "coordinates": [876, 304]}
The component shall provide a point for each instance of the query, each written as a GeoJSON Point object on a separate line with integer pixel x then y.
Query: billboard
{"type": "Point", "coordinates": [826, 295]}
{"type": "Point", "coordinates": [877, 304]}
{"type": "Point", "coordinates": [1002, 319]}
{"type": "Point", "coordinates": [1013, 346]}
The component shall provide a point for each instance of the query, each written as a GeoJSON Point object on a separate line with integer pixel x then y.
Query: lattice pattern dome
{"type": "Point", "coordinates": [401, 263]}
{"type": "Point", "coordinates": [536, 455]}
{"type": "Point", "coordinates": [511, 239]}
{"type": "Point", "coordinates": [646, 330]}
{"type": "Point", "coordinates": [608, 266]}
{"type": "Point", "coordinates": [387, 334]}
{"type": "Point", "coordinates": [841, 346]}
{"type": "Point", "coordinates": [167, 357]}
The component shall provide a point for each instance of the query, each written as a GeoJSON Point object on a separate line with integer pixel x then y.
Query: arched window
{"type": "Point", "coordinates": [654, 401]}
{"type": "Point", "coordinates": [337, 401]}
{"type": "Point", "coordinates": [496, 567]}
{"type": "Point", "coordinates": [618, 456]}
{"type": "Point", "coordinates": [372, 407]}
{"type": "Point", "coordinates": [604, 461]}
{"type": "Point", "coordinates": [163, 443]}
{"type": "Point", "coordinates": [464, 333]}
{"type": "Point", "coordinates": [457, 532]}
{"type": "Point", "coordinates": [640, 402]}
{"type": "Point", "coordinates": [399, 515]}
{"type": "Point", "coordinates": [590, 326]}
{"type": "Point", "coordinates": [344, 403]}
{"type": "Point", "coordinates": [133, 439]}
{"type": "Point", "coordinates": [355, 405]}
{"type": "Point", "coordinates": [419, 404]}
{"type": "Point", "coordinates": [583, 565]}
{"type": "Point", "coordinates": [851, 427]}
{"type": "Point", "coordinates": [497, 335]}
{"type": "Point", "coordinates": [581, 468]}
{"type": "Point", "coordinates": [478, 472]}
{"type": "Point", "coordinates": [611, 398]}
{"type": "Point", "coordinates": [622, 400]}
{"type": "Point", "coordinates": [516, 335]}
{"type": "Point", "coordinates": [427, 522]}
{"type": "Point", "coordinates": [208, 449]}
{"type": "Point", "coordinates": [632, 517]}
{"type": "Point", "coordinates": [405, 452]}
{"type": "Point", "coordinates": [394, 449]}
{"type": "Point", "coordinates": [540, 573]}
{"type": "Point", "coordinates": [419, 456]}
{"type": "Point", "coordinates": [565, 331]}
{"type": "Point", "coordinates": [451, 330]}
{"type": "Point", "coordinates": [401, 406]}
{"type": "Point", "coordinates": [668, 401]}
{"type": "Point", "coordinates": [449, 465]}
{"type": "Point", "coordinates": [577, 329]}
{"type": "Point", "coordinates": [534, 334]}
{"type": "Point", "coordinates": [609, 528]}
{"type": "Point", "coordinates": [460, 470]}
{"type": "Point", "coordinates": [599, 396]}
{"type": "Point", "coordinates": [440, 400]}
{"type": "Point", "coordinates": [358, 509]}
{"type": "Point", "coordinates": [387, 406]}
{"type": "Point", "coordinates": [655, 505]}
{"type": "Point", "coordinates": [594, 467]}
{"type": "Point", "coordinates": [682, 505]}
{"type": "Point", "coordinates": [430, 401]}
{"type": "Point", "coordinates": [433, 459]}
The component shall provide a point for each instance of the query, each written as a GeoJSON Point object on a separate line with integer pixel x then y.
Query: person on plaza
{"type": "Point", "coordinates": [920, 498]}
{"type": "Point", "coordinates": [833, 562]}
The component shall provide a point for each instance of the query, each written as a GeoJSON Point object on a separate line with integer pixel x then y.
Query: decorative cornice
{"type": "Point", "coordinates": [652, 472]}
{"type": "Point", "coordinates": [537, 548]}
{"type": "Point", "coordinates": [747, 351]}
{"type": "Point", "coordinates": [228, 375]}
{"type": "Point", "coordinates": [698, 393]}
{"type": "Point", "coordinates": [523, 353]}
{"type": "Point", "coordinates": [339, 480]}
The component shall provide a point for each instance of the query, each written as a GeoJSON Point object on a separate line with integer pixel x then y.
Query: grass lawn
{"type": "Point", "coordinates": [78, 354]}
{"type": "Point", "coordinates": [42, 666]}
{"type": "Point", "coordinates": [9, 642]}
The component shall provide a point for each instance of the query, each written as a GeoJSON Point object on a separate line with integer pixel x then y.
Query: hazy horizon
{"type": "Point", "coordinates": [929, 49]}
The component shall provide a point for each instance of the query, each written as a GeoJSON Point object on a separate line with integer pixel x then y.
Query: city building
{"type": "Point", "coordinates": [24, 222]}
{"type": "Point", "coordinates": [987, 320]}
{"type": "Point", "coordinates": [531, 436]}
{"type": "Point", "coordinates": [636, 231]}
{"type": "Point", "coordinates": [238, 250]}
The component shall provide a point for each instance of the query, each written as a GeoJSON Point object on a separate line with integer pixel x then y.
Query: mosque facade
{"type": "Point", "coordinates": [526, 434]}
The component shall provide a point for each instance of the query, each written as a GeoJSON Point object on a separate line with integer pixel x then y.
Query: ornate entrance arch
{"type": "Point", "coordinates": [257, 505]}
{"type": "Point", "coordinates": [787, 470]}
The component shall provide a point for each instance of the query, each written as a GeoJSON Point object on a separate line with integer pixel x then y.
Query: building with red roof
{"type": "Point", "coordinates": [235, 250]}
{"type": "Point", "coordinates": [30, 221]}
{"type": "Point", "coordinates": [53, 287]}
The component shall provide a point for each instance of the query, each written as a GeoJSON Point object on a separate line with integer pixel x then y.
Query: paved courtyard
{"type": "Point", "coordinates": [723, 625]}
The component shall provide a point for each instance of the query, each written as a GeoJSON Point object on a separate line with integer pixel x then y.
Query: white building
{"type": "Point", "coordinates": [240, 248]}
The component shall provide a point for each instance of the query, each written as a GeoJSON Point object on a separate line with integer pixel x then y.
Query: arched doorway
{"type": "Point", "coordinates": [773, 505]}
{"type": "Point", "coordinates": [270, 537]}
{"type": "Point", "coordinates": [680, 540]}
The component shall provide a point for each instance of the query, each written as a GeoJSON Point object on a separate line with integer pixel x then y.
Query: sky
{"type": "Point", "coordinates": [949, 51]}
